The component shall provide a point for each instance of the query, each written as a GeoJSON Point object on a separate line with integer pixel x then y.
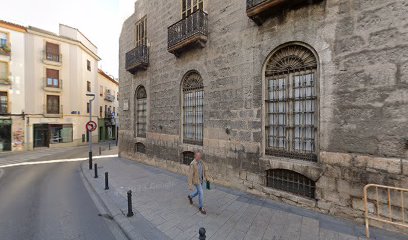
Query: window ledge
{"type": "Point", "coordinates": [309, 169]}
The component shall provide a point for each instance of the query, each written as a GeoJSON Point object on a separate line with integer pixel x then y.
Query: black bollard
{"type": "Point", "coordinates": [106, 181]}
{"type": "Point", "coordinates": [96, 170]}
{"type": "Point", "coordinates": [129, 197]}
{"type": "Point", "coordinates": [100, 151]}
{"type": "Point", "coordinates": [201, 234]}
{"type": "Point", "coordinates": [109, 146]}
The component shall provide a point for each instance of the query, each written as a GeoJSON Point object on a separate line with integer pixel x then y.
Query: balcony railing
{"type": "Point", "coordinates": [109, 97]}
{"type": "Point", "coordinates": [52, 59]}
{"type": "Point", "coordinates": [137, 58]}
{"type": "Point", "coordinates": [258, 10]}
{"type": "Point", "coordinates": [53, 113]}
{"type": "Point", "coordinates": [52, 88]}
{"type": "Point", "coordinates": [5, 49]}
{"type": "Point", "coordinates": [5, 81]}
{"type": "Point", "coordinates": [190, 31]}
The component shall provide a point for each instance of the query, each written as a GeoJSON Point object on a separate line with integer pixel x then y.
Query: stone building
{"type": "Point", "coordinates": [300, 101]}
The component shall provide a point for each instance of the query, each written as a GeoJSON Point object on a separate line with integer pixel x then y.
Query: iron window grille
{"type": "Point", "coordinates": [141, 112]}
{"type": "Point", "coordinates": [291, 102]}
{"type": "Point", "coordinates": [53, 106]}
{"type": "Point", "coordinates": [193, 97]}
{"type": "Point", "coordinates": [140, 148]}
{"type": "Point", "coordinates": [188, 157]}
{"type": "Point", "coordinates": [290, 181]}
{"type": "Point", "coordinates": [3, 102]}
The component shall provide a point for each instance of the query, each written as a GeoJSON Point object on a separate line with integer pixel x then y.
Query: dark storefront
{"type": "Point", "coordinates": [5, 135]}
{"type": "Point", "coordinates": [46, 134]}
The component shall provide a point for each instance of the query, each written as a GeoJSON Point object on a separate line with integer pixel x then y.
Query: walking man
{"type": "Point", "coordinates": [197, 177]}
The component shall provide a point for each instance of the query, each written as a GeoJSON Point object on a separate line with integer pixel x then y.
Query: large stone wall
{"type": "Point", "coordinates": [363, 94]}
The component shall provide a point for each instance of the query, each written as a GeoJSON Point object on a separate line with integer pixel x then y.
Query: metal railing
{"type": "Point", "coordinates": [52, 57]}
{"type": "Point", "coordinates": [254, 3]}
{"type": "Point", "coordinates": [137, 56]}
{"type": "Point", "coordinates": [109, 97]}
{"type": "Point", "coordinates": [196, 23]}
{"type": "Point", "coordinates": [5, 49]}
{"type": "Point", "coordinates": [50, 112]}
{"type": "Point", "coordinates": [388, 205]}
{"type": "Point", "coordinates": [46, 85]}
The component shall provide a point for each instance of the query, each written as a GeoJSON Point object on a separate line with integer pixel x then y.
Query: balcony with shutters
{"type": "Point", "coordinates": [109, 97]}
{"type": "Point", "coordinates": [5, 49]}
{"type": "Point", "coordinates": [137, 59]}
{"type": "Point", "coordinates": [52, 58]}
{"type": "Point", "coordinates": [52, 85]}
{"type": "Point", "coordinates": [187, 33]}
{"type": "Point", "coordinates": [259, 10]}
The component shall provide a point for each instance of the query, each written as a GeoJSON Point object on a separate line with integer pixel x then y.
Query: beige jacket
{"type": "Point", "coordinates": [194, 176]}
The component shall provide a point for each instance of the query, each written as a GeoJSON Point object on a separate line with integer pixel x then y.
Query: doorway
{"type": "Point", "coordinates": [5, 135]}
{"type": "Point", "coordinates": [41, 135]}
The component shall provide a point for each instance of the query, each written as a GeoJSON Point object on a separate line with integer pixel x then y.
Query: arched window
{"type": "Point", "coordinates": [140, 112]}
{"type": "Point", "coordinates": [140, 148]}
{"type": "Point", "coordinates": [291, 97]}
{"type": "Point", "coordinates": [193, 95]}
{"type": "Point", "coordinates": [188, 157]}
{"type": "Point", "coordinates": [290, 181]}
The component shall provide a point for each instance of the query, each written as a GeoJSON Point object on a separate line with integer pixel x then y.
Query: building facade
{"type": "Point", "coordinates": [107, 106]}
{"type": "Point", "coordinates": [48, 78]}
{"type": "Point", "coordinates": [12, 86]}
{"type": "Point", "coordinates": [299, 101]}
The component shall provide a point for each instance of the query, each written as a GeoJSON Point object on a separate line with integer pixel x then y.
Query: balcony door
{"type": "Point", "coordinates": [190, 6]}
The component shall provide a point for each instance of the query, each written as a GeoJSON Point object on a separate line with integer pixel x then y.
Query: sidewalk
{"type": "Point", "coordinates": [162, 210]}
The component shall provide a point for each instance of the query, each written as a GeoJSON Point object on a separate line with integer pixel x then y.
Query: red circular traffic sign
{"type": "Point", "coordinates": [91, 126]}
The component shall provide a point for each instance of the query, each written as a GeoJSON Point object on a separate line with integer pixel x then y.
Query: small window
{"type": "Point", "coordinates": [87, 107]}
{"type": "Point", "coordinates": [188, 157]}
{"type": "Point", "coordinates": [100, 111]}
{"type": "Point", "coordinates": [53, 78]}
{"type": "Point", "coordinates": [140, 148]}
{"type": "Point", "coordinates": [101, 91]}
{"type": "Point", "coordinates": [290, 181]}
{"type": "Point", "coordinates": [88, 86]}
{"type": "Point", "coordinates": [88, 65]}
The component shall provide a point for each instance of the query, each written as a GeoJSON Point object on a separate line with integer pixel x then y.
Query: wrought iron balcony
{"type": "Point", "coordinates": [188, 32]}
{"type": "Point", "coordinates": [51, 86]}
{"type": "Point", "coordinates": [5, 81]}
{"type": "Point", "coordinates": [5, 49]}
{"type": "Point", "coordinates": [137, 59]}
{"type": "Point", "coordinates": [52, 59]}
{"type": "Point", "coordinates": [258, 10]}
{"type": "Point", "coordinates": [109, 97]}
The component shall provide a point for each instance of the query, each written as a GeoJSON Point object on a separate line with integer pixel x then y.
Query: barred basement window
{"type": "Point", "coordinates": [140, 148]}
{"type": "Point", "coordinates": [290, 181]}
{"type": "Point", "coordinates": [141, 112]}
{"type": "Point", "coordinates": [193, 94]}
{"type": "Point", "coordinates": [291, 100]}
{"type": "Point", "coordinates": [188, 157]}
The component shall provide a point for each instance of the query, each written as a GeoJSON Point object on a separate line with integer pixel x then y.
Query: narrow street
{"type": "Point", "coordinates": [49, 201]}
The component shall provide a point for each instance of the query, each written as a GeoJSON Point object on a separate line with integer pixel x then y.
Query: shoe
{"type": "Point", "coordinates": [203, 211]}
{"type": "Point", "coordinates": [190, 199]}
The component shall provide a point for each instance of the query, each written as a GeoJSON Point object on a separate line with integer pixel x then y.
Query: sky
{"type": "Point", "coordinates": [99, 20]}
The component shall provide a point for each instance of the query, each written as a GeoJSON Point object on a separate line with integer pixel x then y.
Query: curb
{"type": "Point", "coordinates": [125, 228]}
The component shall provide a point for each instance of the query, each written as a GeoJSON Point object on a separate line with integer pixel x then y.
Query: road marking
{"type": "Point", "coordinates": [54, 161]}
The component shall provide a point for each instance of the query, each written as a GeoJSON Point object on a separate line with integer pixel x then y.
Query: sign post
{"type": "Point", "coordinates": [89, 130]}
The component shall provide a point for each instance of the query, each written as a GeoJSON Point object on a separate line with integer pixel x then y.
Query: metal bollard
{"type": "Point", "coordinates": [201, 234]}
{"type": "Point", "coordinates": [96, 170]}
{"type": "Point", "coordinates": [100, 151]}
{"type": "Point", "coordinates": [129, 197]}
{"type": "Point", "coordinates": [109, 146]}
{"type": "Point", "coordinates": [106, 181]}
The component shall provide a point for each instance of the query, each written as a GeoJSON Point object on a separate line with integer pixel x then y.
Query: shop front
{"type": "Point", "coordinates": [46, 135]}
{"type": "Point", "coordinates": [5, 135]}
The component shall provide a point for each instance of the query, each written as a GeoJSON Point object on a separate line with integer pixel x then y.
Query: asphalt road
{"type": "Point", "coordinates": [49, 202]}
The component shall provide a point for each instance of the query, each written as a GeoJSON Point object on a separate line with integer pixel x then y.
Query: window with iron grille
{"type": "Point", "coordinates": [3, 103]}
{"type": "Point", "coordinates": [291, 101]}
{"type": "Point", "coordinates": [141, 32]}
{"type": "Point", "coordinates": [141, 112]}
{"type": "Point", "coordinates": [140, 148]}
{"type": "Point", "coordinates": [52, 78]}
{"type": "Point", "coordinates": [53, 106]}
{"type": "Point", "coordinates": [193, 96]}
{"type": "Point", "coordinates": [290, 181]}
{"type": "Point", "coordinates": [190, 6]}
{"type": "Point", "coordinates": [188, 157]}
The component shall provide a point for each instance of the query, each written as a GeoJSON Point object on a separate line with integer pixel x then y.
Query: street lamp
{"type": "Point", "coordinates": [89, 132]}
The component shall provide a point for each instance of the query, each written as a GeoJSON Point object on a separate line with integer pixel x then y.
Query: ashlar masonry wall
{"type": "Point", "coordinates": [362, 56]}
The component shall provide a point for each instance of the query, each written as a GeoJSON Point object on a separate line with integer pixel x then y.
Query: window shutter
{"type": "Point", "coordinates": [52, 73]}
{"type": "Point", "coordinates": [52, 48]}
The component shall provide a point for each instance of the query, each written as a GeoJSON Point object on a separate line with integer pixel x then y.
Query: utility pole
{"type": "Point", "coordinates": [90, 132]}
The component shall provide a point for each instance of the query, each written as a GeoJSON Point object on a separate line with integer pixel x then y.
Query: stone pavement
{"type": "Point", "coordinates": [162, 210]}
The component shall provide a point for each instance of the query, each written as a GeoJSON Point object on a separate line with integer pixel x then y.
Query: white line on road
{"type": "Point", "coordinates": [55, 161]}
